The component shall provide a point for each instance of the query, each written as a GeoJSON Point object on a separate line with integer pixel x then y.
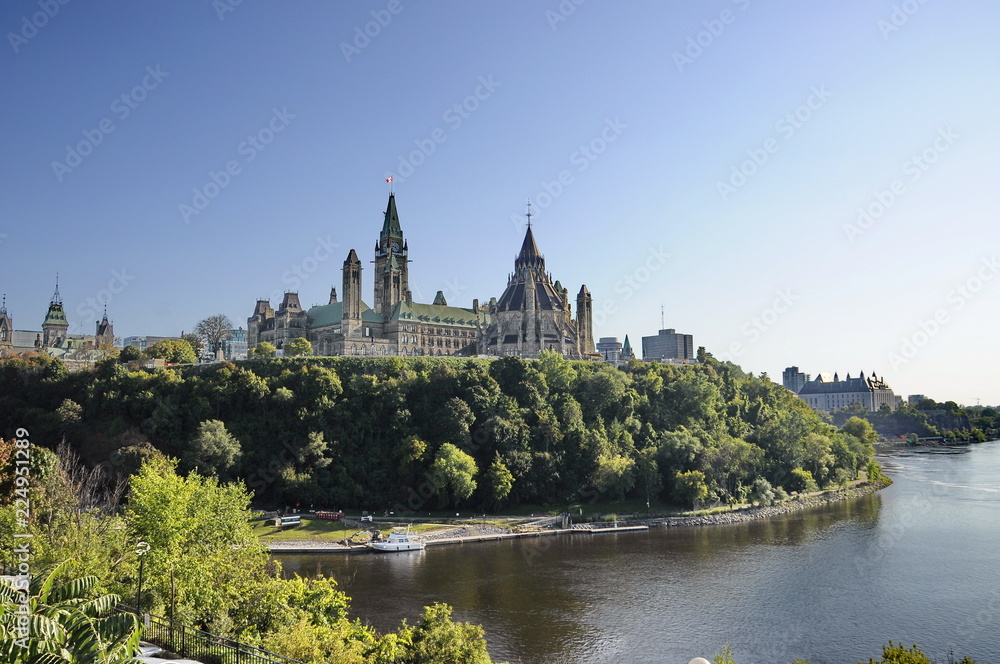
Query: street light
{"type": "Point", "coordinates": [141, 549]}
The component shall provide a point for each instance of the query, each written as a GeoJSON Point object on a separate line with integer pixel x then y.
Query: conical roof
{"type": "Point", "coordinates": [390, 227]}
{"type": "Point", "coordinates": [529, 248]}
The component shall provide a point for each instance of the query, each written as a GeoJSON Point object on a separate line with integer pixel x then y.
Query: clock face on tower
{"type": "Point", "coordinates": [395, 246]}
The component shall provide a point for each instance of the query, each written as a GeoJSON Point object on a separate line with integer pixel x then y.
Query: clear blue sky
{"type": "Point", "coordinates": [647, 112]}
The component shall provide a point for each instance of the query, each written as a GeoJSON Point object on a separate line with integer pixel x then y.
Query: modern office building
{"type": "Point", "coordinates": [667, 345]}
{"type": "Point", "coordinates": [793, 379]}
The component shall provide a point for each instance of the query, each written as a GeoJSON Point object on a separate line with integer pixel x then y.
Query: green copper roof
{"type": "Point", "coordinates": [390, 227]}
{"type": "Point", "coordinates": [626, 347]}
{"type": "Point", "coordinates": [332, 314]}
{"type": "Point", "coordinates": [439, 299]}
{"type": "Point", "coordinates": [56, 316]}
{"type": "Point", "coordinates": [436, 314]}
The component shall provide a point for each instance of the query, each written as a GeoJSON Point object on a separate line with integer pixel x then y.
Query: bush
{"type": "Point", "coordinates": [802, 481]}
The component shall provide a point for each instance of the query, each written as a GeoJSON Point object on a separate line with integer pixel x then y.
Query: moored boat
{"type": "Point", "coordinates": [399, 541]}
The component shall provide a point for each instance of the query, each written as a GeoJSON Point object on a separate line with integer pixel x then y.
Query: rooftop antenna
{"type": "Point", "coordinates": [662, 323]}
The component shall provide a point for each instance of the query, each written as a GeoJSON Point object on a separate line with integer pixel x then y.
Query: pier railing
{"type": "Point", "coordinates": [204, 647]}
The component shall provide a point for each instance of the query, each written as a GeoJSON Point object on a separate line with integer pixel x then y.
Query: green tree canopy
{"type": "Point", "coordinates": [298, 346]}
{"type": "Point", "coordinates": [175, 351]}
{"type": "Point", "coordinates": [452, 475]}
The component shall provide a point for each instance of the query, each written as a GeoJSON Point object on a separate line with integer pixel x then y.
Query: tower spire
{"type": "Point", "coordinates": [3, 307]}
{"type": "Point", "coordinates": [56, 299]}
{"type": "Point", "coordinates": [528, 214]}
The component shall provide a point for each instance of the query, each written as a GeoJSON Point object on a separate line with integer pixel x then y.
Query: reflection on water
{"type": "Point", "coordinates": [915, 563]}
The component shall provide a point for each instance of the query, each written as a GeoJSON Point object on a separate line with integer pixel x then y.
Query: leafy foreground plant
{"type": "Point", "coordinates": [60, 623]}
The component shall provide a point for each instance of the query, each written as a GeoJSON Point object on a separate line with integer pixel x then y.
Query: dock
{"type": "Point", "coordinates": [613, 529]}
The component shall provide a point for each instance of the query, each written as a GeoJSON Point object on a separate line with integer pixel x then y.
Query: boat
{"type": "Point", "coordinates": [399, 541]}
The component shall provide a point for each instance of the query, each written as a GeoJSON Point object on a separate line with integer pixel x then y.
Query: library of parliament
{"type": "Point", "coordinates": [532, 314]}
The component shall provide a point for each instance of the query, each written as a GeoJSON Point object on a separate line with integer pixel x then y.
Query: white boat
{"type": "Point", "coordinates": [399, 541]}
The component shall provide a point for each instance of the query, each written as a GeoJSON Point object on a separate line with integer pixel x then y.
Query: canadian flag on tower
{"type": "Point", "coordinates": [389, 179]}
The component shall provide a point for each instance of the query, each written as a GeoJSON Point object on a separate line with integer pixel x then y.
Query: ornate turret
{"type": "Point", "coordinates": [6, 325]}
{"type": "Point", "coordinates": [55, 326]}
{"type": "Point", "coordinates": [105, 331]}
{"type": "Point", "coordinates": [627, 352]}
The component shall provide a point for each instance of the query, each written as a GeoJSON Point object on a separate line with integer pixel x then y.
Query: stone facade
{"type": "Point", "coordinates": [534, 314]}
{"type": "Point", "coordinates": [830, 394]}
{"type": "Point", "coordinates": [396, 325]}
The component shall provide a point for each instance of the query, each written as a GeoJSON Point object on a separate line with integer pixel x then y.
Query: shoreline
{"type": "Point", "coordinates": [740, 515]}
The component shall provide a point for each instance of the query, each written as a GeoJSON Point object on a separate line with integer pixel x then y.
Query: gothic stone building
{"type": "Point", "coordinates": [830, 394]}
{"type": "Point", "coordinates": [396, 325]}
{"type": "Point", "coordinates": [534, 314]}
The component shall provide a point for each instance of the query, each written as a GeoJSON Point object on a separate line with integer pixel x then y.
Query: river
{"type": "Point", "coordinates": [918, 562]}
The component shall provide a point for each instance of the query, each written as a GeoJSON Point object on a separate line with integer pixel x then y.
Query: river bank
{"type": "Point", "coordinates": [471, 533]}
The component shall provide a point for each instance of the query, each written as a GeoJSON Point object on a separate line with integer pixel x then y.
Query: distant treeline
{"type": "Point", "coordinates": [928, 418]}
{"type": "Point", "coordinates": [426, 433]}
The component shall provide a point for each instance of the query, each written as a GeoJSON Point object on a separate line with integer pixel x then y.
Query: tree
{"type": "Point", "coordinates": [196, 342]}
{"type": "Point", "coordinates": [690, 487]}
{"type": "Point", "coordinates": [263, 349]}
{"type": "Point", "coordinates": [298, 346]}
{"type": "Point", "coordinates": [437, 639]}
{"type": "Point", "coordinates": [175, 351]}
{"type": "Point", "coordinates": [452, 474]}
{"type": "Point", "coordinates": [203, 551]}
{"type": "Point", "coordinates": [214, 330]}
{"type": "Point", "coordinates": [500, 481]}
{"type": "Point", "coordinates": [214, 450]}
{"type": "Point", "coordinates": [129, 354]}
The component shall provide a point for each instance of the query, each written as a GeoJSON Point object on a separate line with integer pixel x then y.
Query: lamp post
{"type": "Point", "coordinates": [141, 549]}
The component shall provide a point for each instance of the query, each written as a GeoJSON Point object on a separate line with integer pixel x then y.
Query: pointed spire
{"type": "Point", "coordinates": [3, 307]}
{"type": "Point", "coordinates": [390, 227]}
{"type": "Point", "coordinates": [352, 258]}
{"type": "Point", "coordinates": [627, 346]}
{"type": "Point", "coordinates": [56, 299]}
{"type": "Point", "coordinates": [105, 320]}
{"type": "Point", "coordinates": [529, 248]}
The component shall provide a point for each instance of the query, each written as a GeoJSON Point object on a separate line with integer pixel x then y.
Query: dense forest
{"type": "Point", "coordinates": [426, 433]}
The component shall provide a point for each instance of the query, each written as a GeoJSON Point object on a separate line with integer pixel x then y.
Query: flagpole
{"type": "Point", "coordinates": [388, 181]}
